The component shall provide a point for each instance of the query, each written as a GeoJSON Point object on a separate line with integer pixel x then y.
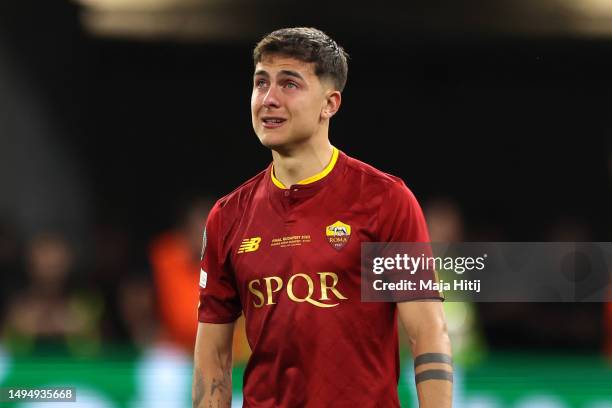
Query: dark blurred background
{"type": "Point", "coordinates": [122, 120]}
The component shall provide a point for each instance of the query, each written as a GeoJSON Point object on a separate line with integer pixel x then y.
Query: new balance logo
{"type": "Point", "coordinates": [249, 245]}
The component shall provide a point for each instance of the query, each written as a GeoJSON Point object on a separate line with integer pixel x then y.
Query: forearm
{"type": "Point", "coordinates": [212, 386]}
{"type": "Point", "coordinates": [426, 328]}
{"type": "Point", "coordinates": [433, 370]}
{"type": "Point", "coordinates": [212, 375]}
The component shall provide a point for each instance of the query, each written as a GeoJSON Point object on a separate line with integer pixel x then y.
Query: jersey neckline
{"type": "Point", "coordinates": [309, 180]}
{"type": "Point", "coordinates": [298, 192]}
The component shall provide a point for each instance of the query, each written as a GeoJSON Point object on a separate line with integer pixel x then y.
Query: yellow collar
{"type": "Point", "coordinates": [314, 178]}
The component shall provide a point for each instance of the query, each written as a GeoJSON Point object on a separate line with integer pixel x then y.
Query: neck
{"type": "Point", "coordinates": [290, 167]}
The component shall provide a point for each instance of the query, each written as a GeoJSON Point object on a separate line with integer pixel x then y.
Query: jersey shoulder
{"type": "Point", "coordinates": [372, 177]}
{"type": "Point", "coordinates": [238, 198]}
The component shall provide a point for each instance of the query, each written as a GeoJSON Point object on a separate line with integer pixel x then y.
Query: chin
{"type": "Point", "coordinates": [272, 141]}
{"type": "Point", "coordinates": [279, 140]}
{"type": "Point", "coordinates": [276, 146]}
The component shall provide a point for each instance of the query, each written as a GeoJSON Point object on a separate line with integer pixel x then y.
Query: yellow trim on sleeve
{"type": "Point", "coordinates": [314, 178]}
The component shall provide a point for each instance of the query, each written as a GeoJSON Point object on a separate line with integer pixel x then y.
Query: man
{"type": "Point", "coordinates": [284, 249]}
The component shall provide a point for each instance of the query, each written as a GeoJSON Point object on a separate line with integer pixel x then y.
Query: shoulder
{"type": "Point", "coordinates": [398, 215]}
{"type": "Point", "coordinates": [237, 200]}
{"type": "Point", "coordinates": [375, 180]}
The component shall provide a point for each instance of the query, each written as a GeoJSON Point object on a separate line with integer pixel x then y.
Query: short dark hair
{"type": "Point", "coordinates": [307, 44]}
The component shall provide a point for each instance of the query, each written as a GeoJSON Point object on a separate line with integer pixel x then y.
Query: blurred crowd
{"type": "Point", "coordinates": [49, 297]}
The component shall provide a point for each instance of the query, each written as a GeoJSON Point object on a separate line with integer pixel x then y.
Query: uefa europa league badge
{"type": "Point", "coordinates": [338, 234]}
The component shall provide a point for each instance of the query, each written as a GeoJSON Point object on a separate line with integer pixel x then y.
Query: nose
{"type": "Point", "coordinates": [270, 99]}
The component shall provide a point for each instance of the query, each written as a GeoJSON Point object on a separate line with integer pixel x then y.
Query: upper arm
{"type": "Point", "coordinates": [401, 218]}
{"type": "Point", "coordinates": [214, 343]}
{"type": "Point", "coordinates": [422, 318]}
{"type": "Point", "coordinates": [219, 295]}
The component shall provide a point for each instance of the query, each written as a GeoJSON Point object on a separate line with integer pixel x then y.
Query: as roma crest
{"type": "Point", "coordinates": [338, 234]}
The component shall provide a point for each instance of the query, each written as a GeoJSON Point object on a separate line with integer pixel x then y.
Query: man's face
{"type": "Point", "coordinates": [287, 101]}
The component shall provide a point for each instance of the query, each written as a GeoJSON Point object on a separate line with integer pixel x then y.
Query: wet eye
{"type": "Point", "coordinates": [260, 83]}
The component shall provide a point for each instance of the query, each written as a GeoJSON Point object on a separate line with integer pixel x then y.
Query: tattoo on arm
{"type": "Point", "coordinates": [433, 375]}
{"type": "Point", "coordinates": [428, 358]}
{"type": "Point", "coordinates": [223, 386]}
{"type": "Point", "coordinates": [435, 358]}
{"type": "Point", "coordinates": [220, 395]}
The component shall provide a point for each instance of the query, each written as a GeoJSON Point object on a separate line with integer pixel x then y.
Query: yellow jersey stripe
{"type": "Point", "coordinates": [316, 177]}
{"type": "Point", "coordinates": [276, 182]}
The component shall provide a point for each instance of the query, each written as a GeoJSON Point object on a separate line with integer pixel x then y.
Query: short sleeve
{"type": "Point", "coordinates": [219, 298]}
{"type": "Point", "coordinates": [400, 216]}
{"type": "Point", "coordinates": [401, 220]}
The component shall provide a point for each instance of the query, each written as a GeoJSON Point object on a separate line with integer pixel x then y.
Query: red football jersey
{"type": "Point", "coordinates": [289, 259]}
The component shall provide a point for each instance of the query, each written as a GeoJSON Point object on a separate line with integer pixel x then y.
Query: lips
{"type": "Point", "coordinates": [272, 122]}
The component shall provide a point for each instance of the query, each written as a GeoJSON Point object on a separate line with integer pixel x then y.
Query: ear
{"type": "Point", "coordinates": [333, 100]}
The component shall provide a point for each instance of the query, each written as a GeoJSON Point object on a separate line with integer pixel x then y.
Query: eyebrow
{"type": "Point", "coordinates": [286, 72]}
